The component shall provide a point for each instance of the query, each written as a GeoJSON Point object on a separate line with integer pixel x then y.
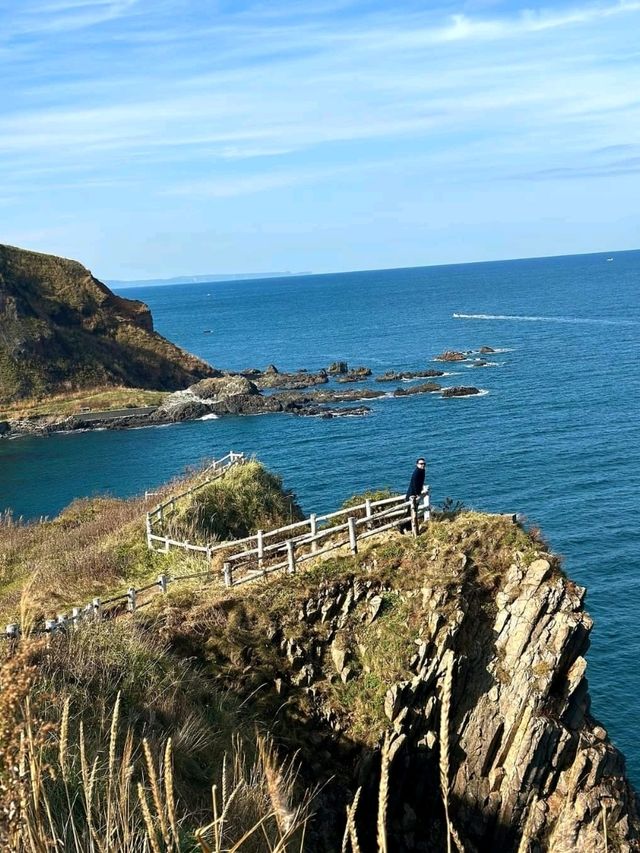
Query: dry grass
{"type": "Point", "coordinates": [64, 791]}
{"type": "Point", "coordinates": [73, 402]}
{"type": "Point", "coordinates": [97, 546]}
{"type": "Point", "coordinates": [445, 707]}
{"type": "Point", "coordinates": [383, 796]}
{"type": "Point", "coordinates": [247, 499]}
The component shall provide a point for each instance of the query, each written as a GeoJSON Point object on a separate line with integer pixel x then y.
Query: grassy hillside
{"type": "Point", "coordinates": [62, 330]}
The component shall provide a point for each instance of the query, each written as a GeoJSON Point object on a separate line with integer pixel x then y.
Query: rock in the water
{"type": "Point", "coordinates": [460, 391]}
{"type": "Point", "coordinates": [338, 367]}
{"type": "Point", "coordinates": [451, 355]}
{"type": "Point", "coordinates": [356, 374]}
{"type": "Point", "coordinates": [425, 388]}
{"type": "Point", "coordinates": [396, 376]}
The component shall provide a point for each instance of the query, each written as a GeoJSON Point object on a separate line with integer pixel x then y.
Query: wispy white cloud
{"type": "Point", "coordinates": [65, 16]}
{"type": "Point", "coordinates": [211, 102]}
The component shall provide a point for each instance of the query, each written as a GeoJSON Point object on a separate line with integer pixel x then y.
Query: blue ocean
{"type": "Point", "coordinates": [555, 437]}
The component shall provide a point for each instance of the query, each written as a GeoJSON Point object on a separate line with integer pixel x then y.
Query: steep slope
{"type": "Point", "coordinates": [462, 649]}
{"type": "Point", "coordinates": [62, 329]}
{"type": "Point", "coordinates": [361, 646]}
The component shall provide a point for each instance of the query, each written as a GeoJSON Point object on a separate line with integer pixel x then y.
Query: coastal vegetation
{"type": "Point", "coordinates": [101, 399]}
{"type": "Point", "coordinates": [424, 690]}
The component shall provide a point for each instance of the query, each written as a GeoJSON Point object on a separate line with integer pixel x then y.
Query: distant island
{"type": "Point", "coordinates": [201, 279]}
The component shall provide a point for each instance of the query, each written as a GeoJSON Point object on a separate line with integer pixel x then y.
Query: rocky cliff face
{"type": "Point", "coordinates": [61, 329]}
{"type": "Point", "coordinates": [357, 647]}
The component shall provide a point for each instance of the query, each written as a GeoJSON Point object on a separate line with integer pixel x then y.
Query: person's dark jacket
{"type": "Point", "coordinates": [417, 482]}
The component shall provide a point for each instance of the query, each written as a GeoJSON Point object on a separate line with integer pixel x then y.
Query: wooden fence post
{"type": "Point", "coordinates": [426, 504]}
{"type": "Point", "coordinates": [131, 599]}
{"type": "Point", "coordinates": [75, 616]}
{"type": "Point", "coordinates": [260, 537]}
{"type": "Point", "coordinates": [228, 579]}
{"type": "Point", "coordinates": [162, 583]}
{"type": "Point", "coordinates": [414, 515]}
{"type": "Point", "coordinates": [353, 535]}
{"type": "Point", "coordinates": [368, 513]}
{"type": "Point", "coordinates": [313, 521]}
{"type": "Point", "coordinates": [291, 557]}
{"type": "Point", "coordinates": [149, 546]}
{"type": "Point", "coordinates": [96, 606]}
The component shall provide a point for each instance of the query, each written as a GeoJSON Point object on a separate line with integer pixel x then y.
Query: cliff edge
{"type": "Point", "coordinates": [61, 329]}
{"type": "Point", "coordinates": [362, 647]}
{"type": "Point", "coordinates": [450, 666]}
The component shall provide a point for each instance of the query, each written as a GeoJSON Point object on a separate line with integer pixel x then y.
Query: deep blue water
{"type": "Point", "coordinates": [557, 437]}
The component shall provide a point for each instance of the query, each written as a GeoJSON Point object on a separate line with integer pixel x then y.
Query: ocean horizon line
{"type": "Point", "coordinates": [252, 278]}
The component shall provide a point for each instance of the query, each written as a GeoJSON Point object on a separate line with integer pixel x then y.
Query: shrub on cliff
{"type": "Point", "coordinates": [247, 499]}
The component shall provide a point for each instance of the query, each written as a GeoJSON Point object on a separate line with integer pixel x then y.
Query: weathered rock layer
{"type": "Point", "coordinates": [365, 650]}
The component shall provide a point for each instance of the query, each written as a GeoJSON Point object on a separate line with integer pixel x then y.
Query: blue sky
{"type": "Point", "coordinates": [152, 138]}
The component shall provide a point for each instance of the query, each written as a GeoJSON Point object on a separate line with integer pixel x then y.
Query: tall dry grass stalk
{"type": "Point", "coordinates": [71, 794]}
{"type": "Point", "coordinates": [445, 717]}
{"type": "Point", "coordinates": [383, 795]}
{"type": "Point", "coordinates": [351, 822]}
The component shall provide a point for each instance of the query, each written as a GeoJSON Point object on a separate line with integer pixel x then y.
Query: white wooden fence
{"type": "Point", "coordinates": [253, 557]}
{"type": "Point", "coordinates": [157, 539]}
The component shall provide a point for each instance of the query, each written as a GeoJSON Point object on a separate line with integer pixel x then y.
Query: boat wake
{"type": "Point", "coordinates": [597, 321]}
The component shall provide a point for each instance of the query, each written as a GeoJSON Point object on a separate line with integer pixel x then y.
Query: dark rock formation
{"type": "Point", "coordinates": [460, 391]}
{"type": "Point", "coordinates": [396, 376]}
{"type": "Point", "coordinates": [425, 388]}
{"type": "Point", "coordinates": [452, 355]}
{"type": "Point", "coordinates": [338, 367]}
{"type": "Point", "coordinates": [486, 350]}
{"type": "Point", "coordinates": [290, 381]}
{"type": "Point", "coordinates": [62, 329]}
{"type": "Point", "coordinates": [357, 374]}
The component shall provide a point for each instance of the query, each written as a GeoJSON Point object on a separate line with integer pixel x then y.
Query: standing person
{"type": "Point", "coordinates": [416, 486]}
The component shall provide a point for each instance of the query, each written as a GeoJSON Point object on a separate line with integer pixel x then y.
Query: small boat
{"type": "Point", "coordinates": [609, 259]}
{"type": "Point", "coordinates": [207, 331]}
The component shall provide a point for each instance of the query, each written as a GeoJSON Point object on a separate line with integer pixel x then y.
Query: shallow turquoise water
{"type": "Point", "coordinates": [557, 437]}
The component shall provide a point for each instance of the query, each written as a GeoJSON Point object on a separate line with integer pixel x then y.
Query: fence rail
{"type": "Point", "coordinates": [312, 537]}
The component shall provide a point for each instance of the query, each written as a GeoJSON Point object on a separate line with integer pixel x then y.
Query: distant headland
{"type": "Point", "coordinates": [74, 355]}
{"type": "Point", "coordinates": [200, 279]}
